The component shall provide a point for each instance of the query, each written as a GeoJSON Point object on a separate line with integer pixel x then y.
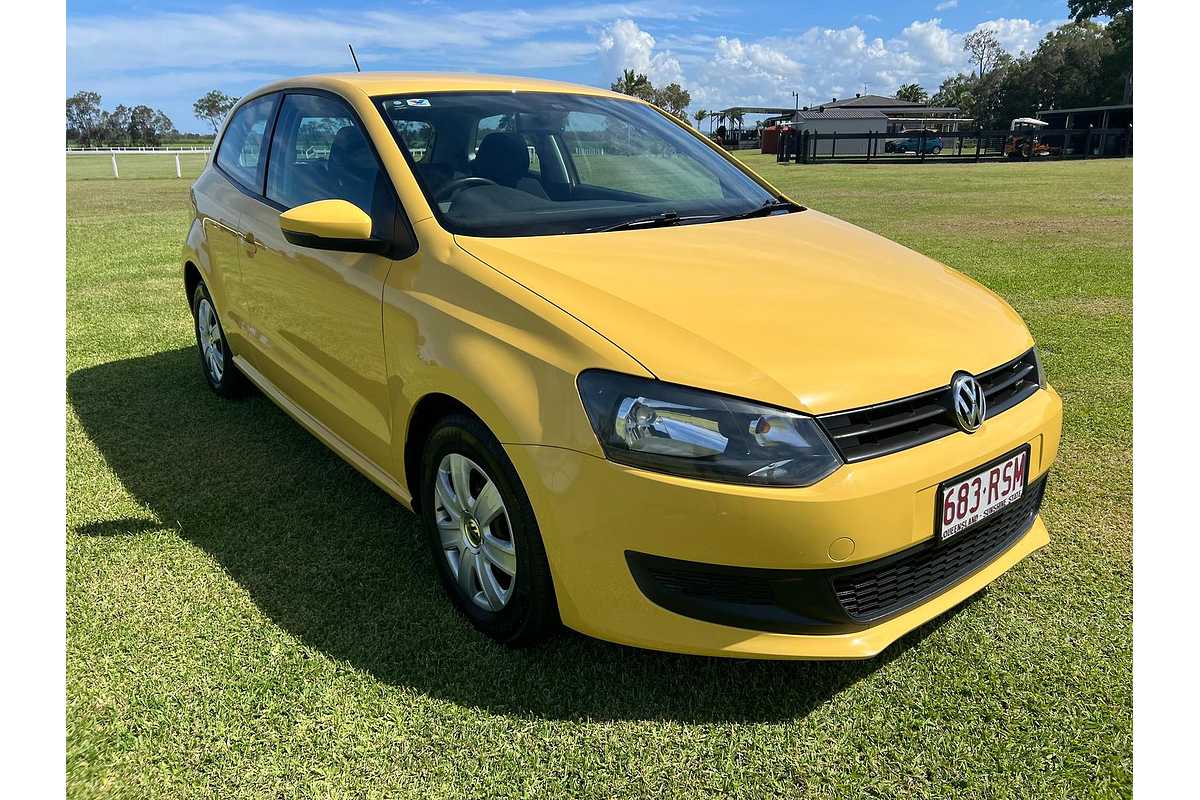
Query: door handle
{"type": "Point", "coordinates": [250, 242]}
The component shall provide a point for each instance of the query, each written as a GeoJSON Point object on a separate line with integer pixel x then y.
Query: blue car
{"type": "Point", "coordinates": [932, 143]}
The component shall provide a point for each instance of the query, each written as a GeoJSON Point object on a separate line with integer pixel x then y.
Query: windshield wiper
{"type": "Point", "coordinates": [766, 209]}
{"type": "Point", "coordinates": [656, 221]}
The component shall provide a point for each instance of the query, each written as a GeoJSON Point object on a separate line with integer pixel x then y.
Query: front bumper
{"type": "Point", "coordinates": [592, 512]}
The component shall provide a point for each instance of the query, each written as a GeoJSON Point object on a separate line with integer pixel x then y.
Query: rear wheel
{"type": "Point", "coordinates": [482, 534]}
{"type": "Point", "coordinates": [937, 150]}
{"type": "Point", "coordinates": [216, 359]}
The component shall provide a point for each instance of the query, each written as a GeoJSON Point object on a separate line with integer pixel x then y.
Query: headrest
{"type": "Point", "coordinates": [502, 157]}
{"type": "Point", "coordinates": [349, 151]}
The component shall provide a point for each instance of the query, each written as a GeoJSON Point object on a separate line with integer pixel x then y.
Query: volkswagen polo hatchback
{"type": "Point", "coordinates": [625, 382]}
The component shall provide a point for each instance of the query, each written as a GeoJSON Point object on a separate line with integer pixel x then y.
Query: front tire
{"type": "Point", "coordinates": [216, 359]}
{"type": "Point", "coordinates": [482, 534]}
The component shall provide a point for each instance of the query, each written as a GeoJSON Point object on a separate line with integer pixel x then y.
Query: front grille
{"type": "Point", "coordinates": [890, 427]}
{"type": "Point", "coordinates": [890, 585]}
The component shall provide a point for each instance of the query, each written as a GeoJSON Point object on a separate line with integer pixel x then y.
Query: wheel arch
{"type": "Point", "coordinates": [191, 279]}
{"type": "Point", "coordinates": [426, 413]}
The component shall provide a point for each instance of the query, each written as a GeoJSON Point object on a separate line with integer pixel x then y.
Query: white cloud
{"type": "Point", "coordinates": [173, 55]}
{"type": "Point", "coordinates": [929, 43]}
{"type": "Point", "coordinates": [1019, 34]}
{"type": "Point", "coordinates": [823, 63]}
{"type": "Point", "coordinates": [236, 35]}
{"type": "Point", "coordinates": [623, 45]}
{"type": "Point", "coordinates": [946, 5]}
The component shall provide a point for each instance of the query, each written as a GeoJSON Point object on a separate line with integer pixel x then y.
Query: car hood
{"type": "Point", "coordinates": [799, 310]}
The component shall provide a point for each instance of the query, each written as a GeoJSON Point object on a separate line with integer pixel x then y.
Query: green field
{"type": "Point", "coordinates": [133, 166]}
{"type": "Point", "coordinates": [248, 617]}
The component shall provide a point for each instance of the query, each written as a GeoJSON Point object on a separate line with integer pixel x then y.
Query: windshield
{"type": "Point", "coordinates": [532, 163]}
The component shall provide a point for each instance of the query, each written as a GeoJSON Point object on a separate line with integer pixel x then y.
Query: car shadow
{"type": "Point", "coordinates": [337, 563]}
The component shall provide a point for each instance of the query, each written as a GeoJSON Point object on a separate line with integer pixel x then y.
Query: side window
{"type": "Point", "coordinates": [242, 146]}
{"type": "Point", "coordinates": [320, 153]}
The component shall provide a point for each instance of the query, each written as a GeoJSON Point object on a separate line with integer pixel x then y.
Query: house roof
{"type": "Point", "coordinates": [840, 113]}
{"type": "Point", "coordinates": [872, 101]}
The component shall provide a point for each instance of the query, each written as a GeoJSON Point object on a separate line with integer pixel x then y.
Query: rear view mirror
{"type": "Point", "coordinates": [331, 225]}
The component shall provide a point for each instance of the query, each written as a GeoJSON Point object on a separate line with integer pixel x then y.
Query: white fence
{"type": "Point", "coordinates": [113, 152]}
{"type": "Point", "coordinates": [86, 150]}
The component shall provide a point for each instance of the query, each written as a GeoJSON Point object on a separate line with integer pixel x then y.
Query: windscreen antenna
{"type": "Point", "coordinates": [356, 66]}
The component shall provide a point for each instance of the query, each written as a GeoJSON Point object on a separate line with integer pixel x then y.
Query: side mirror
{"type": "Point", "coordinates": [331, 225]}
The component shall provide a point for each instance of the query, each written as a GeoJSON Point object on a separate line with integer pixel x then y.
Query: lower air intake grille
{"type": "Point", "coordinates": [890, 585]}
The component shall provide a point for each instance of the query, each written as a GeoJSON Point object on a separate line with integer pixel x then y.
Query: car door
{"type": "Point", "coordinates": [222, 195]}
{"type": "Point", "coordinates": [319, 313]}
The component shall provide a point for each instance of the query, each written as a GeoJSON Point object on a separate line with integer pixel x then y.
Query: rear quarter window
{"type": "Point", "coordinates": [242, 153]}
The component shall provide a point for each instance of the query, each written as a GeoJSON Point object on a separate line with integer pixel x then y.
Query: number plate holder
{"type": "Point", "coordinates": [985, 497]}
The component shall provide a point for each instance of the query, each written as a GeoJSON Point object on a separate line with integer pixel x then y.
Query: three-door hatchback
{"type": "Point", "coordinates": [626, 383]}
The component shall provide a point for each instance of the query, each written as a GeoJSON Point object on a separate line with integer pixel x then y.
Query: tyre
{"type": "Point", "coordinates": [216, 359]}
{"type": "Point", "coordinates": [483, 536]}
{"type": "Point", "coordinates": [937, 150]}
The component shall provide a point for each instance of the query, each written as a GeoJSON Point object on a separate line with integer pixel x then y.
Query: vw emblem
{"type": "Point", "coordinates": [970, 405]}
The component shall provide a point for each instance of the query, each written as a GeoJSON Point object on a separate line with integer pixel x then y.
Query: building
{"type": "Point", "coordinates": [1112, 126]}
{"type": "Point", "coordinates": [841, 121]}
{"type": "Point", "coordinates": [901, 115]}
{"type": "Point", "coordinates": [904, 115]}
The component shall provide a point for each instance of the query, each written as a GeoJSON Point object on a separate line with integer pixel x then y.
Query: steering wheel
{"type": "Point", "coordinates": [452, 188]}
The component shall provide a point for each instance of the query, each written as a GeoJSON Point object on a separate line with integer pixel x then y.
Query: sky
{"type": "Point", "coordinates": [166, 54]}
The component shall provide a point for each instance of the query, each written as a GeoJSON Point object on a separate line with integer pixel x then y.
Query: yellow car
{"type": "Point", "coordinates": [626, 383]}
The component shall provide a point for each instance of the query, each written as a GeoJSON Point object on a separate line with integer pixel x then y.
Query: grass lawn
{"type": "Point", "coordinates": [247, 616]}
{"type": "Point", "coordinates": [134, 165]}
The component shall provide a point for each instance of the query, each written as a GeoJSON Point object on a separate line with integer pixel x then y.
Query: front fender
{"type": "Point", "coordinates": [455, 326]}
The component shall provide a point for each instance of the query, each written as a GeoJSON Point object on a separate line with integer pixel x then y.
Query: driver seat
{"type": "Point", "coordinates": [503, 157]}
{"type": "Point", "coordinates": [352, 168]}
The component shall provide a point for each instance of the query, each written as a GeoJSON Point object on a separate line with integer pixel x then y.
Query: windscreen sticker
{"type": "Point", "coordinates": [418, 101]}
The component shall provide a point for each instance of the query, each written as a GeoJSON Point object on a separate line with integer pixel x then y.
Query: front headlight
{"type": "Point", "coordinates": [668, 428]}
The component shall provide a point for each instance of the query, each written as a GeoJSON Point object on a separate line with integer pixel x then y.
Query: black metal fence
{"type": "Point", "coordinates": [807, 147]}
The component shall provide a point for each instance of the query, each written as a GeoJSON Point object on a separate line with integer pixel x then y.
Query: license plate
{"type": "Point", "coordinates": [971, 498]}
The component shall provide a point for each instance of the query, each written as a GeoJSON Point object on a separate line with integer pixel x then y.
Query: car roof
{"type": "Point", "coordinates": [376, 84]}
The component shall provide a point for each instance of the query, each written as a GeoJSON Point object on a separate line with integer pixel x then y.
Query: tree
{"type": "Point", "coordinates": [141, 125]}
{"type": "Point", "coordinates": [162, 127]}
{"type": "Point", "coordinates": [700, 116]}
{"type": "Point", "coordinates": [736, 117]}
{"type": "Point", "coordinates": [213, 107]}
{"type": "Point", "coordinates": [1074, 66]}
{"type": "Point", "coordinates": [984, 48]}
{"type": "Point", "coordinates": [114, 127]}
{"type": "Point", "coordinates": [1119, 11]}
{"type": "Point", "coordinates": [84, 117]}
{"type": "Point", "coordinates": [957, 91]}
{"type": "Point", "coordinates": [1119, 30]}
{"type": "Point", "coordinates": [638, 86]}
{"type": "Point", "coordinates": [673, 98]}
{"type": "Point", "coordinates": [912, 92]}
